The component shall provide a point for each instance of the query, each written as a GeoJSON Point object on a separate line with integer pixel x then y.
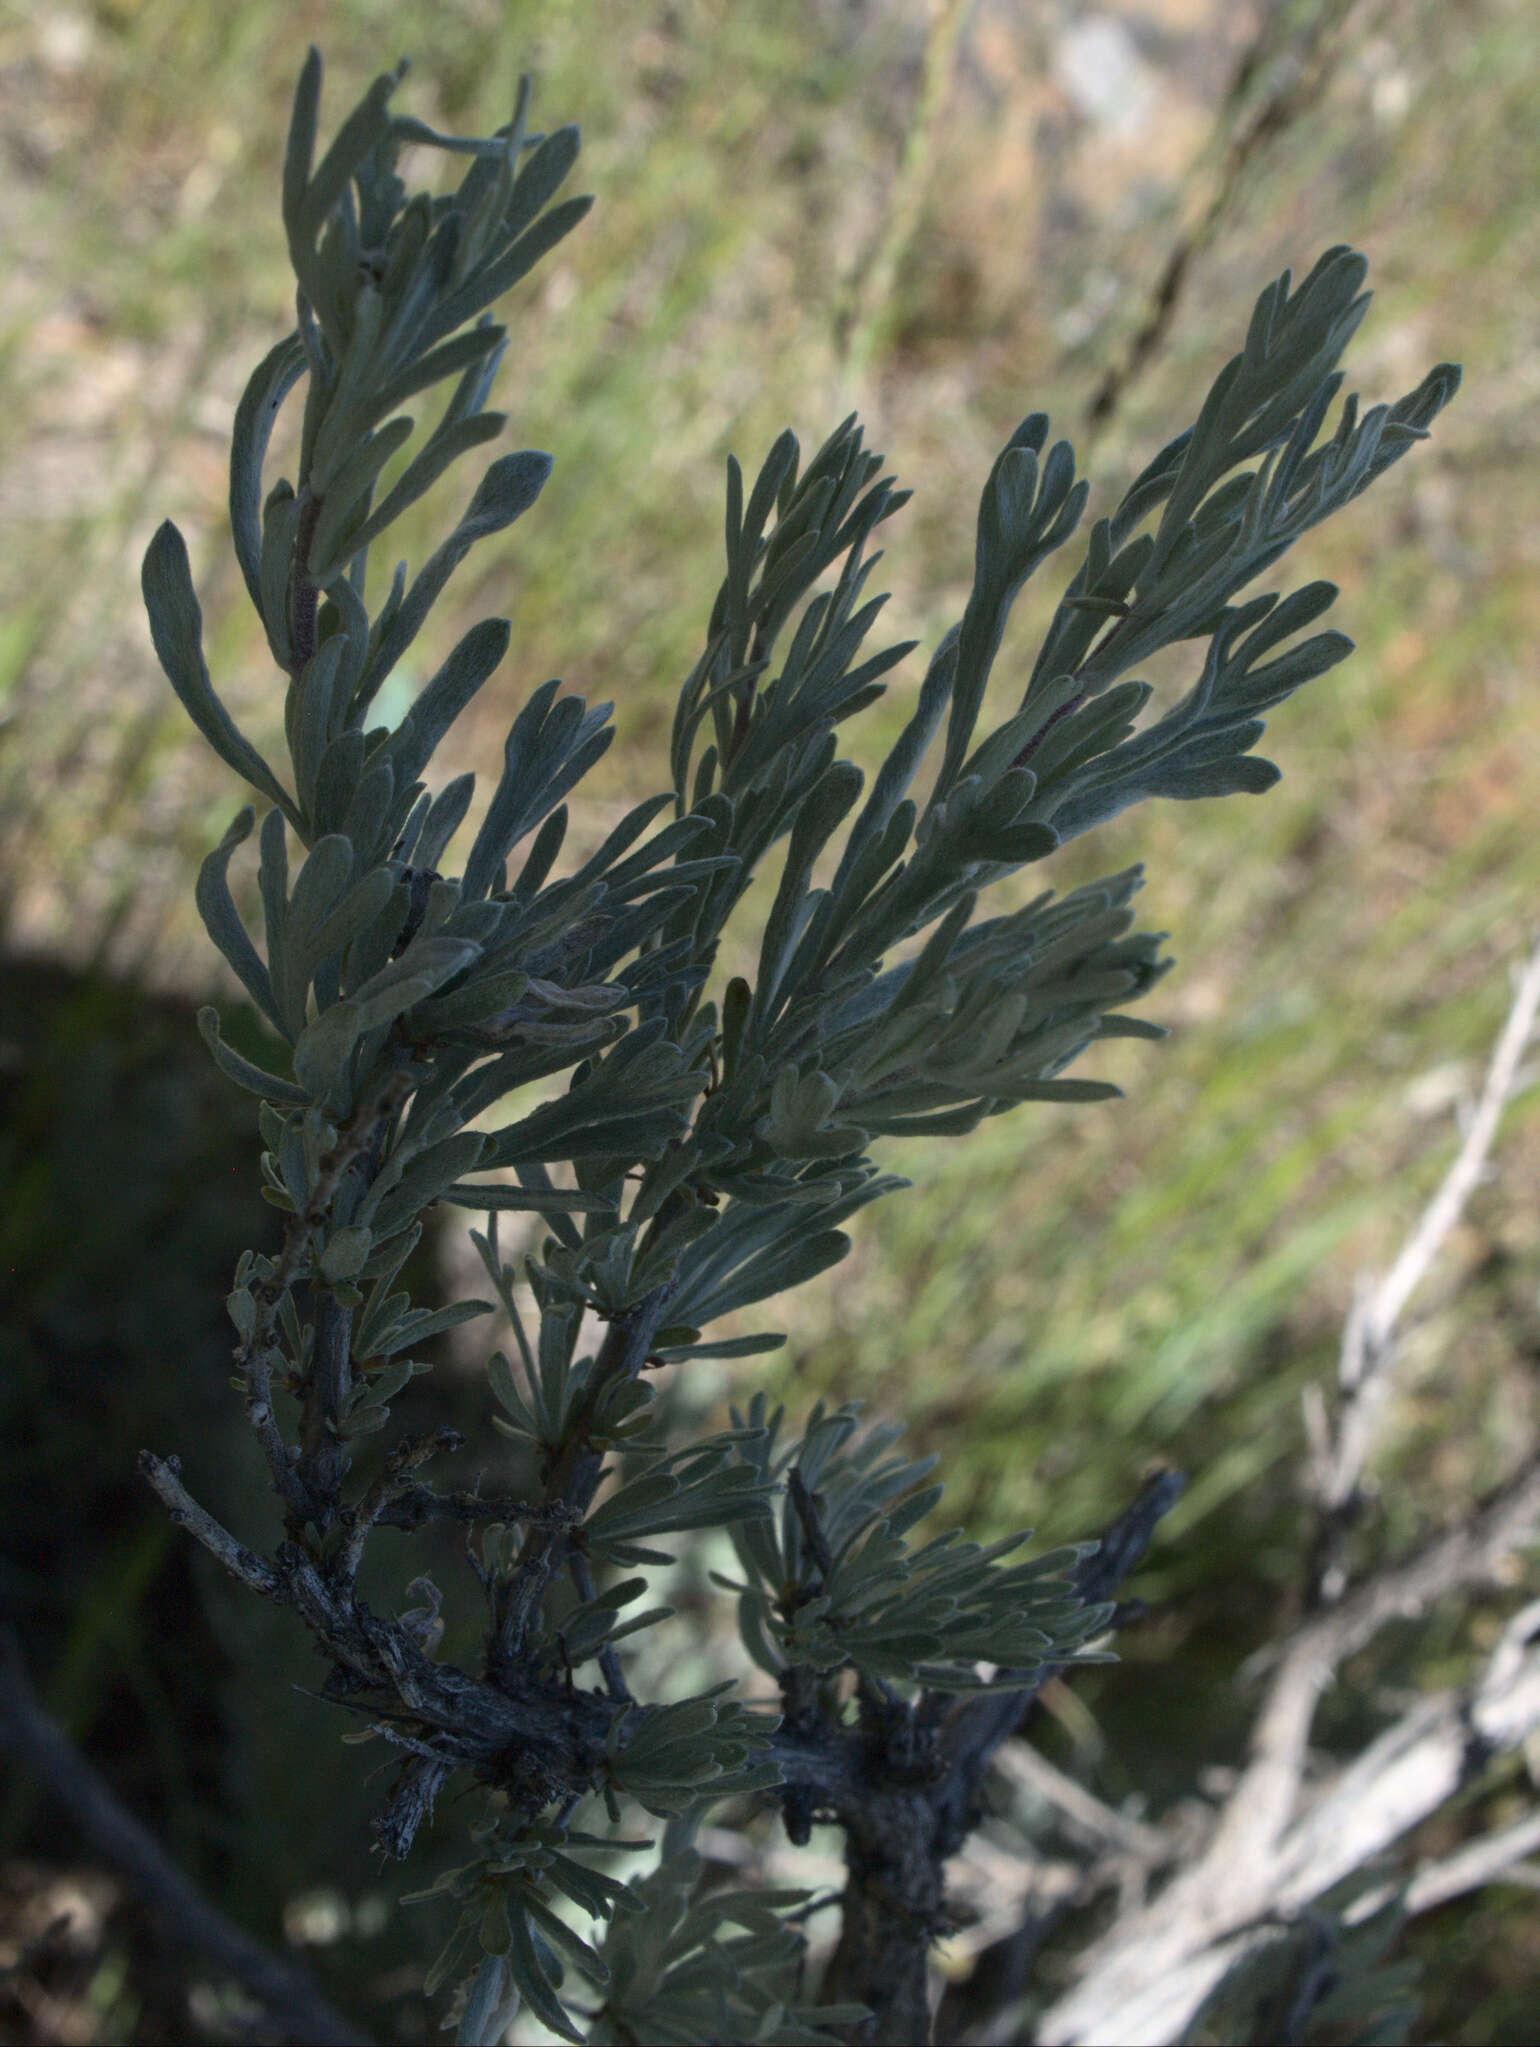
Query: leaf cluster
{"type": "Point", "coordinates": [834, 1583]}
{"type": "Point", "coordinates": [467, 1018]}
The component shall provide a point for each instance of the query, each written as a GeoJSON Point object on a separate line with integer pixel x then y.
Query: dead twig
{"type": "Point", "coordinates": [1370, 1340]}
{"type": "Point", "coordinates": [1272, 1850]}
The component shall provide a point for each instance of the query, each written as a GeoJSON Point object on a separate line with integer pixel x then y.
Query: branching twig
{"type": "Point", "coordinates": [391, 1483]}
{"type": "Point", "coordinates": [739, 1180]}
{"type": "Point", "coordinates": [298, 1486]}
{"type": "Point", "coordinates": [165, 1477]}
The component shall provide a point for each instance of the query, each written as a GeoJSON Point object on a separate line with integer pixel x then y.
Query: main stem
{"type": "Point", "coordinates": [573, 1480]}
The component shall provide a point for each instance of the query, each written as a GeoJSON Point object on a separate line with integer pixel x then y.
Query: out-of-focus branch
{"type": "Point", "coordinates": [37, 1742]}
{"type": "Point", "coordinates": [1370, 1340]}
{"type": "Point", "coordinates": [1495, 1858]}
{"type": "Point", "coordinates": [1149, 1975]}
{"type": "Point", "coordinates": [1438, 1747]}
{"type": "Point", "coordinates": [1146, 1978]}
{"type": "Point", "coordinates": [869, 293]}
{"type": "Point", "coordinates": [1113, 1830]}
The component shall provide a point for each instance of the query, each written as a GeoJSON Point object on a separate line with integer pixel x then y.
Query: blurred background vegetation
{"type": "Point", "coordinates": [946, 215]}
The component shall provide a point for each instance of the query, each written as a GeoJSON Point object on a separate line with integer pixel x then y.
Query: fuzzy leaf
{"type": "Point", "coordinates": [222, 920]}
{"type": "Point", "coordinates": [255, 1079]}
{"type": "Point", "coordinates": [176, 626]}
{"type": "Point", "coordinates": [271, 382]}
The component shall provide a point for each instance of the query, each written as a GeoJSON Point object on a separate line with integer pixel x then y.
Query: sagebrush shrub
{"type": "Point", "coordinates": [691, 1143]}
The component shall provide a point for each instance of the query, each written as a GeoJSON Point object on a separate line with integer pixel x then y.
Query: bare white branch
{"type": "Point", "coordinates": [1370, 1340]}
{"type": "Point", "coordinates": [1495, 1858]}
{"type": "Point", "coordinates": [1149, 1975]}
{"type": "Point", "coordinates": [1274, 1850]}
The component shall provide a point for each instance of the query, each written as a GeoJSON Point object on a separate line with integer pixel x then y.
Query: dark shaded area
{"type": "Point", "coordinates": [129, 1171]}
{"type": "Point", "coordinates": [129, 1174]}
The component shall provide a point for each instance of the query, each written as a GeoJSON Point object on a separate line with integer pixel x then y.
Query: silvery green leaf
{"type": "Point", "coordinates": [364, 129]}
{"type": "Point", "coordinates": [271, 382]}
{"type": "Point", "coordinates": [366, 1419]}
{"type": "Point", "coordinates": [362, 904]}
{"type": "Point", "coordinates": [450, 359]}
{"type": "Point", "coordinates": [500, 275]}
{"type": "Point", "coordinates": [421, 970]}
{"type": "Point", "coordinates": [336, 782]}
{"type": "Point", "coordinates": [373, 817]}
{"type": "Point", "coordinates": [294, 1158]}
{"type": "Point", "coordinates": [445, 697]}
{"type": "Point", "coordinates": [444, 446]}
{"type": "Point", "coordinates": [538, 1976]}
{"type": "Point", "coordinates": [222, 920]}
{"type": "Point", "coordinates": [409, 129]}
{"type": "Point", "coordinates": [255, 1079]}
{"type": "Point", "coordinates": [546, 1202]}
{"type": "Point", "coordinates": [824, 808]}
{"type": "Point", "coordinates": [509, 1396]}
{"type": "Point", "coordinates": [476, 1000]}
{"type": "Point", "coordinates": [424, 1324]}
{"type": "Point", "coordinates": [317, 888]}
{"type": "Point", "coordinates": [704, 1487]}
{"type": "Point", "coordinates": [176, 626]}
{"type": "Point", "coordinates": [445, 816]}
{"type": "Point", "coordinates": [1025, 512]}
{"type": "Point", "coordinates": [792, 1262]}
{"type": "Point", "coordinates": [801, 1121]}
{"type": "Point", "coordinates": [488, 2010]}
{"type": "Point", "coordinates": [280, 525]}
{"type": "Point", "coordinates": [631, 1103]}
{"type": "Point", "coordinates": [345, 1253]}
{"type": "Point", "coordinates": [381, 1384]}
{"type": "Point", "coordinates": [537, 183]}
{"type": "Point", "coordinates": [553, 742]}
{"type": "Point", "coordinates": [1082, 734]}
{"type": "Point", "coordinates": [718, 1347]}
{"type": "Point", "coordinates": [456, 1950]}
{"type": "Point", "coordinates": [299, 152]}
{"type": "Point", "coordinates": [508, 489]}
{"type": "Point", "coordinates": [309, 716]}
{"type": "Point", "coordinates": [345, 612]}
{"type": "Point", "coordinates": [346, 495]}
{"type": "Point", "coordinates": [323, 1051]}
{"type": "Point", "coordinates": [411, 1177]}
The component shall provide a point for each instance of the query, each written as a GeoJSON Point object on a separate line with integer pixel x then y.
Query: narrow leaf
{"type": "Point", "coordinates": [255, 1079]}
{"type": "Point", "coordinates": [223, 923]}
{"type": "Point", "coordinates": [273, 379]}
{"type": "Point", "coordinates": [176, 626]}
